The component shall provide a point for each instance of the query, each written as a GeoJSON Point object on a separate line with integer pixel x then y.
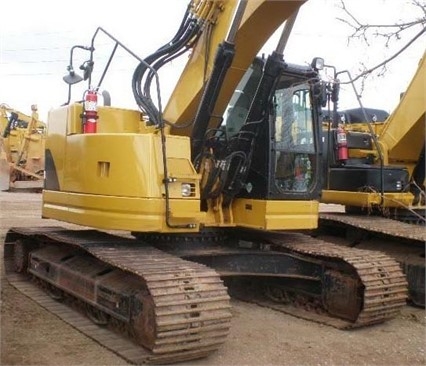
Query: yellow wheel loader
{"type": "Point", "coordinates": [22, 149]}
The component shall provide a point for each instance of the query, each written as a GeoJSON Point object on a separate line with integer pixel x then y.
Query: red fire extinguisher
{"type": "Point", "coordinates": [90, 111]}
{"type": "Point", "coordinates": [342, 144]}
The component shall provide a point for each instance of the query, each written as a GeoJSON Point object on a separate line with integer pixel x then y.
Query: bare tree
{"type": "Point", "coordinates": [389, 32]}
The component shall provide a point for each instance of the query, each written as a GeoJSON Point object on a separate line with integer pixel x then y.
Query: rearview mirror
{"type": "Point", "coordinates": [72, 78]}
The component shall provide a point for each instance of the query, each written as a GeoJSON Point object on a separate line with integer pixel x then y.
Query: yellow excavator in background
{"type": "Point", "coordinates": [376, 169]}
{"type": "Point", "coordinates": [22, 144]}
{"type": "Point", "coordinates": [212, 191]}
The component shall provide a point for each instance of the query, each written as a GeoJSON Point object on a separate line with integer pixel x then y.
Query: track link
{"type": "Point", "coordinates": [189, 301]}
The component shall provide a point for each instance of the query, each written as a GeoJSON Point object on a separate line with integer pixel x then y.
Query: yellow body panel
{"type": "Point", "coordinates": [114, 179]}
{"type": "Point", "coordinates": [114, 163]}
{"type": "Point", "coordinates": [367, 199]}
{"type": "Point", "coordinates": [377, 127]}
{"type": "Point", "coordinates": [117, 120]}
{"type": "Point", "coordinates": [119, 213]}
{"type": "Point", "coordinates": [275, 215]}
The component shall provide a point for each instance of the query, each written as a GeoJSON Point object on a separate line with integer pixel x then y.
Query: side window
{"type": "Point", "coordinates": [238, 108]}
{"type": "Point", "coordinates": [237, 112]}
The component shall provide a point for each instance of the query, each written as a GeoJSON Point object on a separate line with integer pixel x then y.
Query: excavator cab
{"type": "Point", "coordinates": [267, 148]}
{"type": "Point", "coordinates": [284, 154]}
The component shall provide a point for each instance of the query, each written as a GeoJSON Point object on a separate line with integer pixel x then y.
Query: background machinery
{"type": "Point", "coordinates": [376, 169]}
{"type": "Point", "coordinates": [22, 149]}
{"type": "Point", "coordinates": [212, 189]}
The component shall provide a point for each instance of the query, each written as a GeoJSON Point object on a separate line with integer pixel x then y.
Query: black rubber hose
{"type": "Point", "coordinates": [190, 31]}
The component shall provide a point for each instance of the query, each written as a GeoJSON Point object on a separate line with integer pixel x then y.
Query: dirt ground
{"type": "Point", "coordinates": [32, 336]}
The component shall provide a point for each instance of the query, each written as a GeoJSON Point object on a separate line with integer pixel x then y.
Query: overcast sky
{"type": "Point", "coordinates": [36, 37]}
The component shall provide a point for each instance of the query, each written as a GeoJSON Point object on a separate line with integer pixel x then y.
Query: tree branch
{"type": "Point", "coordinates": [393, 31]}
{"type": "Point", "coordinates": [385, 62]}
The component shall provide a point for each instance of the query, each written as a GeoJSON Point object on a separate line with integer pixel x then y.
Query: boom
{"type": "Point", "coordinates": [403, 135]}
{"type": "Point", "coordinates": [260, 20]}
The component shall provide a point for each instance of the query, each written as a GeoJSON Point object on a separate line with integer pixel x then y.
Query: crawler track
{"type": "Point", "coordinates": [384, 285]}
{"type": "Point", "coordinates": [189, 302]}
{"type": "Point", "coordinates": [401, 241]}
{"type": "Point", "coordinates": [190, 305]}
{"type": "Point", "coordinates": [357, 287]}
{"type": "Point", "coordinates": [377, 225]}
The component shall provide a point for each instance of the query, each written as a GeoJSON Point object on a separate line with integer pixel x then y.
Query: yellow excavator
{"type": "Point", "coordinates": [22, 144]}
{"type": "Point", "coordinates": [376, 169]}
{"type": "Point", "coordinates": [211, 191]}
